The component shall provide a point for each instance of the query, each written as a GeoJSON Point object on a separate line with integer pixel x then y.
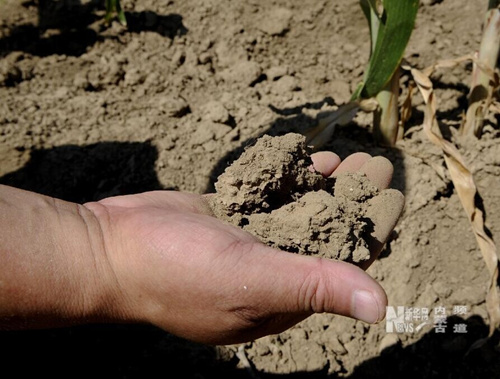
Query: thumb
{"type": "Point", "coordinates": [292, 284]}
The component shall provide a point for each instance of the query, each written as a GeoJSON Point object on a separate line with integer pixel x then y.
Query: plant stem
{"type": "Point", "coordinates": [386, 117]}
{"type": "Point", "coordinates": [481, 88]}
{"type": "Point", "coordinates": [112, 7]}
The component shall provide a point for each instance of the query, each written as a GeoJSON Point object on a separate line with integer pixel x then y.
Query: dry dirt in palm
{"type": "Point", "coordinates": [89, 111]}
{"type": "Point", "coordinates": [273, 192]}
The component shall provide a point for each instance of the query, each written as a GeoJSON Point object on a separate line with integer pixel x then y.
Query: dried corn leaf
{"type": "Point", "coordinates": [477, 111]}
{"type": "Point", "coordinates": [466, 190]}
{"type": "Point", "coordinates": [495, 107]}
{"type": "Point", "coordinates": [406, 108]}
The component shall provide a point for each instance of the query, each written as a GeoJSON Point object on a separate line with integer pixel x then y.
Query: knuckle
{"type": "Point", "coordinates": [316, 294]}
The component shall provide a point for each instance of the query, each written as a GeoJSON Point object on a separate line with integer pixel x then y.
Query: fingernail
{"type": "Point", "coordinates": [365, 307]}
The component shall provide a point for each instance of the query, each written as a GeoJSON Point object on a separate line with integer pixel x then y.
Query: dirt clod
{"type": "Point", "coordinates": [272, 192]}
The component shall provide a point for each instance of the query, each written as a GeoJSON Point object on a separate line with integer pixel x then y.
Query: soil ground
{"type": "Point", "coordinates": [89, 111]}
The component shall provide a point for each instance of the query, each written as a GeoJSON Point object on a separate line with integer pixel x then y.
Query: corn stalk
{"type": "Point", "coordinates": [391, 24]}
{"type": "Point", "coordinates": [482, 89]}
{"type": "Point", "coordinates": [386, 114]}
{"type": "Point", "coordinates": [113, 7]}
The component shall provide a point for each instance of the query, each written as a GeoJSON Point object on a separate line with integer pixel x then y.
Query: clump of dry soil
{"type": "Point", "coordinates": [272, 192]}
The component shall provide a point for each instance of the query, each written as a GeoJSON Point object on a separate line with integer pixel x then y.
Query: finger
{"type": "Point", "coordinates": [384, 211]}
{"type": "Point", "coordinates": [325, 162]}
{"type": "Point", "coordinates": [283, 283]}
{"type": "Point", "coordinates": [379, 170]}
{"type": "Point", "coordinates": [352, 163]}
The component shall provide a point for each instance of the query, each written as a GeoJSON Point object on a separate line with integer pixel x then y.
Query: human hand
{"type": "Point", "coordinates": [177, 267]}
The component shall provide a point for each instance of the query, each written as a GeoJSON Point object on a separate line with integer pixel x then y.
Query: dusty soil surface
{"type": "Point", "coordinates": [89, 111]}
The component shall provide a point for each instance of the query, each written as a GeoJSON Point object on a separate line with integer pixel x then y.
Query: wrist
{"type": "Point", "coordinates": [54, 270]}
{"type": "Point", "coordinates": [99, 280]}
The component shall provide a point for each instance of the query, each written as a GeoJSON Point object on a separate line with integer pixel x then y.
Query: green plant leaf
{"type": "Point", "coordinates": [370, 9]}
{"type": "Point", "coordinates": [395, 26]}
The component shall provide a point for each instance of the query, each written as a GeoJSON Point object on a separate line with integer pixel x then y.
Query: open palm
{"type": "Point", "coordinates": [178, 267]}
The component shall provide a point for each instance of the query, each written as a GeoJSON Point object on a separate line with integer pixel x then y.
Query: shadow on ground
{"type": "Point", "coordinates": [106, 351]}
{"type": "Point", "coordinates": [88, 173]}
{"type": "Point", "coordinates": [63, 28]}
{"type": "Point", "coordinates": [117, 351]}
